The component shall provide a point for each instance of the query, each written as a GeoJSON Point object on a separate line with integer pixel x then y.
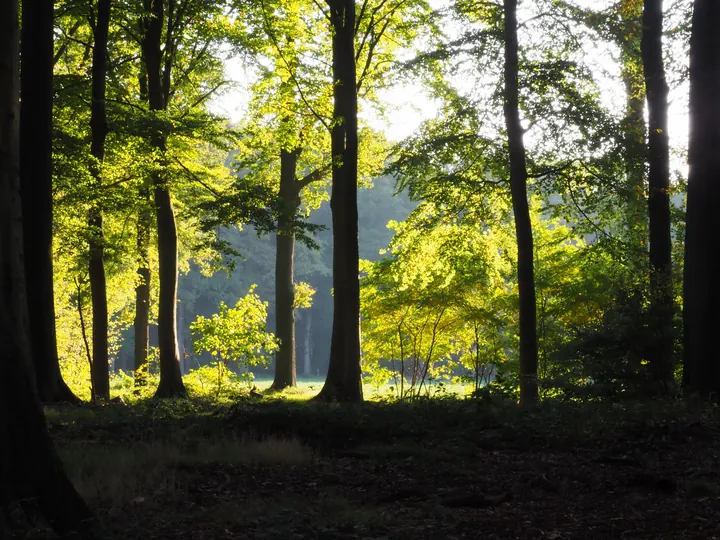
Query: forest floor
{"type": "Point", "coordinates": [443, 469]}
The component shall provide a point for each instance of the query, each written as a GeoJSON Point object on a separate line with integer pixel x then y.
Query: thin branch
{"type": "Point", "coordinates": [314, 176]}
{"type": "Point", "coordinates": [63, 48]}
{"type": "Point", "coordinates": [197, 178]}
{"type": "Point", "coordinates": [203, 97]}
{"type": "Point", "coordinates": [326, 14]}
{"type": "Point", "coordinates": [555, 170]}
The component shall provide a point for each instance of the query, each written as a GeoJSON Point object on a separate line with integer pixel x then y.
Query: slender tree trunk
{"type": "Point", "coordinates": [32, 479]}
{"type": "Point", "coordinates": [181, 337]}
{"type": "Point", "coordinates": [142, 292]}
{"type": "Point", "coordinates": [635, 213]}
{"type": "Point", "coordinates": [171, 384]}
{"type": "Point", "coordinates": [307, 366]}
{"type": "Point", "coordinates": [36, 191]}
{"type": "Point", "coordinates": [701, 294]}
{"type": "Point", "coordinates": [285, 362]}
{"type": "Point", "coordinates": [523, 226]}
{"type": "Point", "coordinates": [344, 377]}
{"type": "Point", "coordinates": [661, 279]}
{"type": "Point", "coordinates": [98, 126]}
{"type": "Point", "coordinates": [141, 324]}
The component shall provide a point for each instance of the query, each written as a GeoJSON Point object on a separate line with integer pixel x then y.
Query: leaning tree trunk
{"type": "Point", "coordinates": [171, 384]}
{"type": "Point", "coordinates": [96, 270]}
{"type": "Point", "coordinates": [36, 191]}
{"type": "Point", "coordinates": [32, 480]}
{"type": "Point", "coordinates": [344, 377]}
{"type": "Point", "coordinates": [701, 284]}
{"type": "Point", "coordinates": [521, 211]}
{"type": "Point", "coordinates": [661, 282]}
{"type": "Point", "coordinates": [285, 361]}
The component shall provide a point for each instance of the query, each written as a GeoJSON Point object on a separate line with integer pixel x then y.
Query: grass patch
{"type": "Point", "coordinates": [116, 475]}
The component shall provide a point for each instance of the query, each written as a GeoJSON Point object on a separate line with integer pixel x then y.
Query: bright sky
{"type": "Point", "coordinates": [409, 105]}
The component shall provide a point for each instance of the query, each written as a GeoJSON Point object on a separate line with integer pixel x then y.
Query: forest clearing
{"type": "Point", "coordinates": [359, 269]}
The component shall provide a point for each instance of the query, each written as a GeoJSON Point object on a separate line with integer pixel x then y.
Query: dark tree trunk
{"type": "Point", "coordinates": [344, 377]}
{"type": "Point", "coordinates": [171, 384]}
{"type": "Point", "coordinates": [32, 479]}
{"type": "Point", "coordinates": [661, 286]}
{"type": "Point", "coordinates": [635, 213]}
{"type": "Point", "coordinates": [142, 293]}
{"type": "Point", "coordinates": [141, 324]}
{"type": "Point", "coordinates": [285, 362]}
{"type": "Point", "coordinates": [521, 211]}
{"type": "Point", "coordinates": [307, 366]}
{"type": "Point", "coordinates": [36, 191]}
{"type": "Point", "coordinates": [98, 126]}
{"type": "Point", "coordinates": [701, 294]}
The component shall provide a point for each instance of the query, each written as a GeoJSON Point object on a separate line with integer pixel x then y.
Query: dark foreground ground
{"type": "Point", "coordinates": [434, 470]}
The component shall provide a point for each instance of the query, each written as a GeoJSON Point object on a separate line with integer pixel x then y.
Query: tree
{"type": "Point", "coordinates": [37, 198]}
{"type": "Point", "coordinates": [32, 479]}
{"type": "Point", "coordinates": [96, 270]}
{"type": "Point", "coordinates": [158, 78]}
{"type": "Point", "coordinates": [701, 288]}
{"type": "Point", "coordinates": [344, 377]}
{"type": "Point", "coordinates": [290, 94]}
{"type": "Point", "coordinates": [629, 33]}
{"type": "Point", "coordinates": [661, 278]}
{"type": "Point", "coordinates": [521, 211]}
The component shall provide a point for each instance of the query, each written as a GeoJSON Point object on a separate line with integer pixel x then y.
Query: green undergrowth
{"type": "Point", "coordinates": [333, 426]}
{"type": "Point", "coordinates": [221, 386]}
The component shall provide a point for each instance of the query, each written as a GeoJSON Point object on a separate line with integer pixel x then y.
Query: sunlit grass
{"type": "Point", "coordinates": [308, 388]}
{"type": "Point", "coordinates": [205, 385]}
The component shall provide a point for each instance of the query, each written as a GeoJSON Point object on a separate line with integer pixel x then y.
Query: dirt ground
{"type": "Point", "coordinates": [433, 470]}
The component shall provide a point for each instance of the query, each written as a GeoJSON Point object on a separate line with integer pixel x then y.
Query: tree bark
{"type": "Point", "coordinates": [285, 360]}
{"type": "Point", "coordinates": [171, 384]}
{"type": "Point", "coordinates": [142, 293]}
{"type": "Point", "coordinates": [344, 377]}
{"type": "Point", "coordinates": [32, 479]}
{"type": "Point", "coordinates": [96, 270]}
{"type": "Point", "coordinates": [661, 279]}
{"type": "Point", "coordinates": [307, 366]}
{"type": "Point", "coordinates": [141, 324]}
{"type": "Point", "coordinates": [701, 286]}
{"type": "Point", "coordinates": [629, 40]}
{"type": "Point", "coordinates": [36, 192]}
{"type": "Point", "coordinates": [521, 211]}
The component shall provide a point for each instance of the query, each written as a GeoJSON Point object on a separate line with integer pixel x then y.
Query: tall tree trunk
{"type": "Point", "coordinates": [171, 384]}
{"type": "Point", "coordinates": [661, 279]}
{"type": "Point", "coordinates": [181, 337]}
{"type": "Point", "coordinates": [521, 211]}
{"type": "Point", "coordinates": [32, 479]}
{"type": "Point", "coordinates": [701, 294]}
{"type": "Point", "coordinates": [36, 192]}
{"type": "Point", "coordinates": [141, 324]}
{"type": "Point", "coordinates": [98, 126]}
{"type": "Point", "coordinates": [629, 40]}
{"type": "Point", "coordinates": [142, 292]}
{"type": "Point", "coordinates": [285, 362]}
{"type": "Point", "coordinates": [344, 377]}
